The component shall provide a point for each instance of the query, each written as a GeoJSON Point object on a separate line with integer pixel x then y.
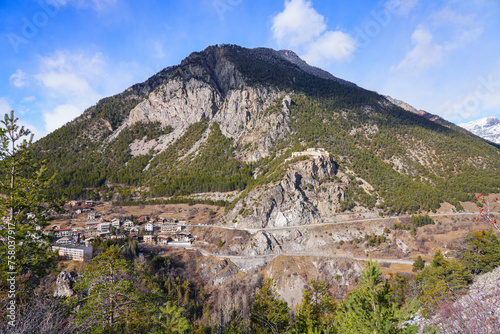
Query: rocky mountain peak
{"type": "Point", "coordinates": [487, 128]}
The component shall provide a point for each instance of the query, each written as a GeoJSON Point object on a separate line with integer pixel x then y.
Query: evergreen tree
{"type": "Point", "coordinates": [25, 254]}
{"type": "Point", "coordinates": [418, 264]}
{"type": "Point", "coordinates": [170, 320]}
{"type": "Point", "coordinates": [368, 309]}
{"type": "Point", "coordinates": [315, 313]}
{"type": "Point", "coordinates": [482, 252]}
{"type": "Point", "coordinates": [107, 298]}
{"type": "Point", "coordinates": [270, 313]}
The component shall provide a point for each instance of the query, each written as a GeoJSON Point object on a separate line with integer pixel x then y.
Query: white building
{"type": "Point", "coordinates": [104, 227]}
{"type": "Point", "coordinates": [65, 241]}
{"type": "Point", "coordinates": [128, 224]}
{"type": "Point", "coordinates": [312, 152]}
{"type": "Point", "coordinates": [149, 227]}
{"type": "Point", "coordinates": [115, 222]}
{"type": "Point", "coordinates": [77, 253]}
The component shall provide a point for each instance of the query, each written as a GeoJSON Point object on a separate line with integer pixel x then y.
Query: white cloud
{"type": "Point", "coordinates": [71, 79]}
{"type": "Point", "coordinates": [4, 106]}
{"type": "Point", "coordinates": [446, 30]}
{"type": "Point", "coordinates": [301, 27]}
{"type": "Point", "coordinates": [425, 54]}
{"type": "Point", "coordinates": [331, 45]}
{"type": "Point", "coordinates": [447, 16]}
{"type": "Point", "coordinates": [79, 79]}
{"type": "Point", "coordinates": [60, 116]}
{"type": "Point", "coordinates": [28, 99]}
{"type": "Point", "coordinates": [157, 47]}
{"type": "Point", "coordinates": [72, 75]}
{"type": "Point", "coordinates": [18, 79]}
{"type": "Point", "coordinates": [299, 23]}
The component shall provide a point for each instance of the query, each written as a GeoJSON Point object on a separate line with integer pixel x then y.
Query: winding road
{"type": "Point", "coordinates": [274, 228]}
{"type": "Point", "coordinates": [272, 256]}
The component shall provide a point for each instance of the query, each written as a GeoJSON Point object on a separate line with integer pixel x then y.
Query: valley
{"type": "Point", "coordinates": [243, 184]}
{"type": "Point", "coordinates": [338, 244]}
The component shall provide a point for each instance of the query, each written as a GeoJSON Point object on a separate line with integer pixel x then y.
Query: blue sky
{"type": "Point", "coordinates": [61, 56]}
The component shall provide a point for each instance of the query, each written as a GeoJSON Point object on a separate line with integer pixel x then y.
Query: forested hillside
{"type": "Point", "coordinates": [227, 118]}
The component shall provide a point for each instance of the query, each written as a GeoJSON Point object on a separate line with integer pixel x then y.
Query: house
{"type": "Point", "coordinates": [115, 222]}
{"type": "Point", "coordinates": [89, 241]}
{"type": "Point", "coordinates": [128, 224]}
{"type": "Point", "coordinates": [149, 227]}
{"type": "Point", "coordinates": [65, 241]}
{"type": "Point", "coordinates": [134, 230]}
{"type": "Point", "coordinates": [120, 236]}
{"type": "Point", "coordinates": [104, 227]}
{"type": "Point", "coordinates": [184, 237]}
{"type": "Point", "coordinates": [93, 215]}
{"type": "Point", "coordinates": [93, 219]}
{"type": "Point", "coordinates": [161, 220]}
{"type": "Point", "coordinates": [163, 239]}
{"type": "Point", "coordinates": [62, 232]}
{"type": "Point", "coordinates": [149, 237]}
{"type": "Point", "coordinates": [91, 233]}
{"type": "Point", "coordinates": [71, 252]}
{"type": "Point", "coordinates": [142, 219]}
{"type": "Point", "coordinates": [170, 227]}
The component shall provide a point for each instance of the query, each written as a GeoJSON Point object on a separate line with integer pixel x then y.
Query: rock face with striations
{"type": "Point", "coordinates": [64, 284]}
{"type": "Point", "coordinates": [308, 192]}
{"type": "Point", "coordinates": [208, 86]}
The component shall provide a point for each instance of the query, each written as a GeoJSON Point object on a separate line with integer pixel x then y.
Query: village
{"type": "Point", "coordinates": [75, 242]}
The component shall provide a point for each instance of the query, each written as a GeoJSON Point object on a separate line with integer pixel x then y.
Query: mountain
{"type": "Point", "coordinates": [487, 128]}
{"type": "Point", "coordinates": [432, 117]}
{"type": "Point", "coordinates": [280, 141]}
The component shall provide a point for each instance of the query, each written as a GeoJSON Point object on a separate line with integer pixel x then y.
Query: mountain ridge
{"type": "Point", "coordinates": [229, 118]}
{"type": "Point", "coordinates": [487, 128]}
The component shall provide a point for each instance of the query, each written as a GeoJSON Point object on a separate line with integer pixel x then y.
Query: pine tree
{"type": "Point", "coordinates": [106, 296]}
{"type": "Point", "coordinates": [170, 320]}
{"type": "Point", "coordinates": [368, 309]}
{"type": "Point", "coordinates": [269, 314]}
{"type": "Point", "coordinates": [419, 264]}
{"type": "Point", "coordinates": [24, 250]}
{"type": "Point", "coordinates": [317, 308]}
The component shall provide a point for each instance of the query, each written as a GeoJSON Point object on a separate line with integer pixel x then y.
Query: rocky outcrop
{"type": "Point", "coordinates": [178, 103]}
{"type": "Point", "coordinates": [216, 271]}
{"type": "Point", "coordinates": [308, 193]}
{"type": "Point", "coordinates": [64, 284]}
{"type": "Point", "coordinates": [262, 243]}
{"type": "Point", "coordinates": [239, 111]}
{"type": "Point", "coordinates": [476, 312]}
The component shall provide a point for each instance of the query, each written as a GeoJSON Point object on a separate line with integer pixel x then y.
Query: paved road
{"type": "Point", "coordinates": [272, 256]}
{"type": "Point", "coordinates": [284, 228]}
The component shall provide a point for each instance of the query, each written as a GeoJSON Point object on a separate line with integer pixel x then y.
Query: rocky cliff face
{"type": "Point", "coordinates": [64, 284]}
{"type": "Point", "coordinates": [241, 114]}
{"type": "Point", "coordinates": [310, 191]}
{"type": "Point", "coordinates": [207, 85]}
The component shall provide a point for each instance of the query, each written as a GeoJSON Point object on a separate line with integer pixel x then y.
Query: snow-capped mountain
{"type": "Point", "coordinates": [487, 128]}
